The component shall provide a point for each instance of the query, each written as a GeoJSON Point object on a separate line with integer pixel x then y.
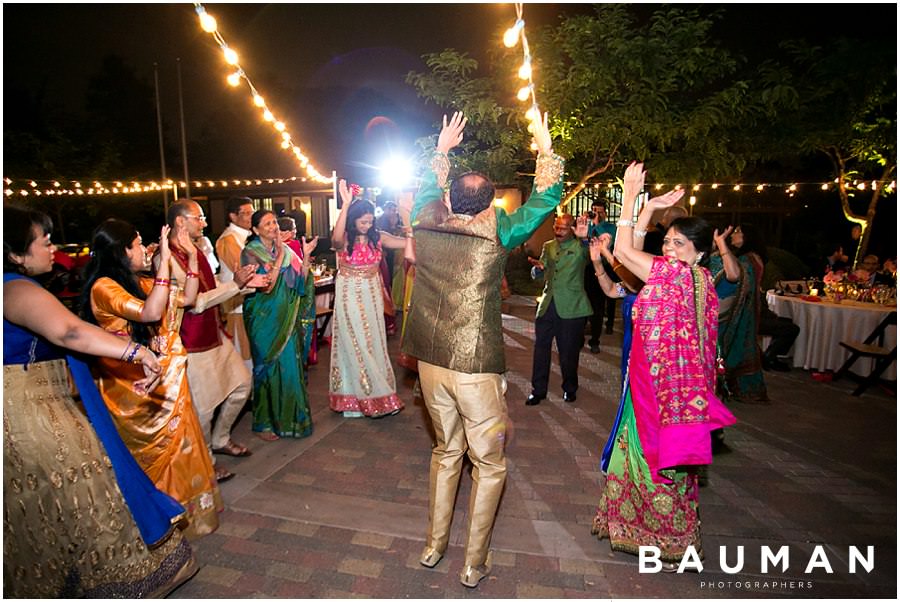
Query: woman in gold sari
{"type": "Point", "coordinates": [161, 429]}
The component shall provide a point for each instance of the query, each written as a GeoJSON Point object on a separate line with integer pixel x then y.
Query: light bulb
{"type": "Point", "coordinates": [530, 128]}
{"type": "Point", "coordinates": [534, 146]}
{"type": "Point", "coordinates": [207, 22]}
{"type": "Point", "coordinates": [524, 93]}
{"type": "Point", "coordinates": [231, 56]}
{"type": "Point", "coordinates": [525, 70]}
{"type": "Point", "coordinates": [285, 136]}
{"type": "Point", "coordinates": [259, 100]}
{"type": "Point", "coordinates": [511, 36]}
{"type": "Point", "coordinates": [279, 126]}
{"type": "Point", "coordinates": [531, 114]}
{"type": "Point", "coordinates": [693, 201]}
{"type": "Point", "coordinates": [268, 115]}
{"type": "Point", "coordinates": [234, 79]}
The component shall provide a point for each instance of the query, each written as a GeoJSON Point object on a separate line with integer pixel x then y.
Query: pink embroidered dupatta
{"type": "Point", "coordinates": [672, 367]}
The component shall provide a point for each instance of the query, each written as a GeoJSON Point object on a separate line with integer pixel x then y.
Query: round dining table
{"type": "Point", "coordinates": [824, 324]}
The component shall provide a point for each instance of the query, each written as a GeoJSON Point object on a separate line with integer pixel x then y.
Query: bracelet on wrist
{"type": "Point", "coordinates": [190, 274]}
{"type": "Point", "coordinates": [125, 352]}
{"type": "Point", "coordinates": [640, 233]}
{"type": "Point", "coordinates": [162, 282]}
{"type": "Point", "coordinates": [625, 223]}
{"type": "Point", "coordinates": [133, 354]}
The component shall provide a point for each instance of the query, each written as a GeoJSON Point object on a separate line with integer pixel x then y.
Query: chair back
{"type": "Point", "coordinates": [793, 287]}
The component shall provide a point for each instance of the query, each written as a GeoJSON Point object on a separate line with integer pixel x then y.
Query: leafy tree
{"type": "Point", "coordinates": [847, 111]}
{"type": "Point", "coordinates": [616, 90]}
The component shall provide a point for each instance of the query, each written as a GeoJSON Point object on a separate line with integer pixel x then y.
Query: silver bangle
{"type": "Point", "coordinates": [640, 233]}
{"type": "Point", "coordinates": [625, 223]}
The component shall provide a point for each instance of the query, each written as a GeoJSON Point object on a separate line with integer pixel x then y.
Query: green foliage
{"type": "Point", "coordinates": [616, 90]}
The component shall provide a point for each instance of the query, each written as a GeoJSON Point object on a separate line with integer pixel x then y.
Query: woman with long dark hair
{"type": "Point", "coordinates": [274, 320]}
{"type": "Point", "coordinates": [362, 380]}
{"type": "Point", "coordinates": [669, 405]}
{"type": "Point", "coordinates": [66, 474]}
{"type": "Point", "coordinates": [737, 273]}
{"type": "Point", "coordinates": [161, 429]}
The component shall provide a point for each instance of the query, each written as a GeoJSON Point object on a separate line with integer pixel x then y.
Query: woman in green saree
{"type": "Point", "coordinates": [273, 319]}
{"type": "Point", "coordinates": [737, 275]}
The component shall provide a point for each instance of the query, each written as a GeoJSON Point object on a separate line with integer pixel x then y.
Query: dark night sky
{"type": "Point", "coordinates": [305, 50]}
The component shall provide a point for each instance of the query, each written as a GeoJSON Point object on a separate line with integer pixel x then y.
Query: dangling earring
{"type": "Point", "coordinates": [699, 258]}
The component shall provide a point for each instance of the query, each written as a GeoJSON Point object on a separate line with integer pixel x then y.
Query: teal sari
{"type": "Point", "coordinates": [738, 329]}
{"type": "Point", "coordinates": [274, 327]}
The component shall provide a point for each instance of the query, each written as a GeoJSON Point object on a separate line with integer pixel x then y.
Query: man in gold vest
{"type": "Point", "coordinates": [454, 329]}
{"type": "Point", "coordinates": [563, 310]}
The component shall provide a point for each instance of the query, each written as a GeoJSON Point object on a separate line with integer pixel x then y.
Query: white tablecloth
{"type": "Point", "coordinates": [824, 325]}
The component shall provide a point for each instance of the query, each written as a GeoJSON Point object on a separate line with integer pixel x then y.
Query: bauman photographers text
{"type": "Point", "coordinates": [650, 562]}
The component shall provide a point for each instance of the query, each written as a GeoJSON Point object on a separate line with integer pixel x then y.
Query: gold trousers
{"type": "Point", "coordinates": [469, 415]}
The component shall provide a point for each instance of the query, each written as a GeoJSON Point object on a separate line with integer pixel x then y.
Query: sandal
{"type": "Point", "coordinates": [223, 474]}
{"type": "Point", "coordinates": [233, 449]}
{"type": "Point", "coordinates": [267, 436]}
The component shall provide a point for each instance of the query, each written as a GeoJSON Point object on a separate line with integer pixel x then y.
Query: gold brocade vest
{"type": "Point", "coordinates": [454, 316]}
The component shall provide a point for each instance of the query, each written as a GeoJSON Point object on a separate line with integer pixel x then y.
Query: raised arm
{"type": "Point", "coordinates": [435, 179]}
{"type": "Point", "coordinates": [636, 261]}
{"type": "Point", "coordinates": [518, 227]}
{"type": "Point", "coordinates": [32, 307]}
{"type": "Point", "coordinates": [729, 261]}
{"type": "Point", "coordinates": [339, 235]}
{"type": "Point", "coordinates": [599, 248]}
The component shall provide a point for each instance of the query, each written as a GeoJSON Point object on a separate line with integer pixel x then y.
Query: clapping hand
{"type": "Point", "coordinates": [309, 245]}
{"type": "Point", "coordinates": [452, 133]}
{"type": "Point", "coordinates": [664, 201]}
{"type": "Point", "coordinates": [600, 247]}
{"type": "Point", "coordinates": [581, 227]}
{"type": "Point", "coordinates": [721, 240]}
{"type": "Point", "coordinates": [164, 252]}
{"type": "Point", "coordinates": [346, 195]}
{"type": "Point", "coordinates": [152, 374]}
{"type": "Point", "coordinates": [536, 263]}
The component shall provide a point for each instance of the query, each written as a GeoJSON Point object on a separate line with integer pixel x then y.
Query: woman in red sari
{"type": "Point", "coordinates": [669, 406]}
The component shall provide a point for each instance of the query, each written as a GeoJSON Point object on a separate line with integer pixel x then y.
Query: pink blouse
{"type": "Point", "coordinates": [363, 255]}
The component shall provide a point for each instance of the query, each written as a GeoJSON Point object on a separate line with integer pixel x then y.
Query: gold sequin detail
{"type": "Point", "coordinates": [662, 503]}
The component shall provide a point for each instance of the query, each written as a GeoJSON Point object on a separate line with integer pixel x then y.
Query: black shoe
{"type": "Point", "coordinates": [595, 348]}
{"type": "Point", "coordinates": [775, 364]}
{"type": "Point", "coordinates": [533, 399]}
{"type": "Point", "coordinates": [609, 329]}
{"type": "Point", "coordinates": [570, 397]}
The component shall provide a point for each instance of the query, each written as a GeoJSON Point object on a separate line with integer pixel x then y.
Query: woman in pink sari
{"type": "Point", "coordinates": [669, 405]}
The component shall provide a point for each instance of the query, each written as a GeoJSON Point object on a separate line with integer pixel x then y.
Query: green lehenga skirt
{"type": "Point", "coordinates": [634, 511]}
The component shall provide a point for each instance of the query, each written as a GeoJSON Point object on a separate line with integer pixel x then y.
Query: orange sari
{"type": "Point", "coordinates": [161, 430]}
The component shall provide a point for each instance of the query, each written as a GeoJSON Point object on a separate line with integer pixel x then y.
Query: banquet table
{"type": "Point", "coordinates": [824, 324]}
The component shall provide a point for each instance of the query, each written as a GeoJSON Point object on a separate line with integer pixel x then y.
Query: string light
{"type": "Point", "coordinates": [209, 25]}
{"type": "Point", "coordinates": [56, 188]}
{"type": "Point", "coordinates": [510, 38]}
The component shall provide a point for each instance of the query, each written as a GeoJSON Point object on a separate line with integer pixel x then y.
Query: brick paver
{"type": "Point", "coordinates": [342, 514]}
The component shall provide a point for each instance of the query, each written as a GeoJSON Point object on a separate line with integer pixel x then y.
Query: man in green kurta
{"type": "Point", "coordinates": [455, 330]}
{"type": "Point", "coordinates": [562, 312]}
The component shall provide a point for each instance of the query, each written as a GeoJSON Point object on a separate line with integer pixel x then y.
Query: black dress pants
{"type": "Point", "coordinates": [569, 335]}
{"type": "Point", "coordinates": [601, 305]}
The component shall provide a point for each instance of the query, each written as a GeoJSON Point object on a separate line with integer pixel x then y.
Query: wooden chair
{"type": "Point", "coordinates": [882, 355]}
{"type": "Point", "coordinates": [324, 312]}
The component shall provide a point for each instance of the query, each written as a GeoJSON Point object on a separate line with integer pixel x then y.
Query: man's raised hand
{"type": "Point", "coordinates": [452, 133]}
